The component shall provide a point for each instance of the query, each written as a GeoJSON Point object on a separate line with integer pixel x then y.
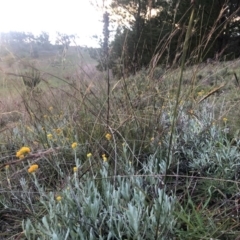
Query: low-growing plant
{"type": "Point", "coordinates": [31, 78]}
{"type": "Point", "coordinates": [132, 207]}
{"type": "Point", "coordinates": [149, 156]}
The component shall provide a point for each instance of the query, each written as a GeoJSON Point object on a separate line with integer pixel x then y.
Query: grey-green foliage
{"type": "Point", "coordinates": [204, 146]}
{"type": "Point", "coordinates": [132, 207]}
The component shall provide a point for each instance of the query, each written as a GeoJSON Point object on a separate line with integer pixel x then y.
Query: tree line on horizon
{"type": "Point", "coordinates": [152, 32]}
{"type": "Point", "coordinates": [27, 42]}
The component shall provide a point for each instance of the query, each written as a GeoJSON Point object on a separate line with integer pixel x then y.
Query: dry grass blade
{"type": "Point", "coordinates": [212, 92]}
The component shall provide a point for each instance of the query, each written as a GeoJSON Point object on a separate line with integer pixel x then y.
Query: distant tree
{"type": "Point", "coordinates": [133, 17]}
{"type": "Point", "coordinates": [153, 32]}
{"type": "Point", "coordinates": [138, 35]}
{"type": "Point", "coordinates": [102, 54]}
{"type": "Point", "coordinates": [63, 42]}
{"type": "Point", "coordinates": [43, 40]}
{"type": "Point", "coordinates": [215, 26]}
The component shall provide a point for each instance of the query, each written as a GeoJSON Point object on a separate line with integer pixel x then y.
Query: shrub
{"type": "Point", "coordinates": [125, 207]}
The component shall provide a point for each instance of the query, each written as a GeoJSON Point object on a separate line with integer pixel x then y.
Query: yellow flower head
{"type": "Point", "coordinates": [7, 167]}
{"type": "Point", "coordinates": [75, 169]}
{"type": "Point", "coordinates": [108, 136]}
{"type": "Point", "coordinates": [51, 108]}
{"type": "Point", "coordinates": [201, 93]}
{"type": "Point", "coordinates": [25, 150]}
{"type": "Point", "coordinates": [74, 145]}
{"type": "Point", "coordinates": [49, 136]}
{"type": "Point", "coordinates": [22, 152]}
{"type": "Point", "coordinates": [33, 168]}
{"type": "Point", "coordinates": [18, 154]}
{"type": "Point", "coordinates": [104, 158]}
{"type": "Point", "coordinates": [58, 198]}
{"type": "Point", "coordinates": [225, 120]}
{"type": "Point", "coordinates": [89, 155]}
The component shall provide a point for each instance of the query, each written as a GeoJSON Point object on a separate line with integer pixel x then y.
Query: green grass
{"type": "Point", "coordinates": [135, 194]}
{"type": "Point", "coordinates": [54, 71]}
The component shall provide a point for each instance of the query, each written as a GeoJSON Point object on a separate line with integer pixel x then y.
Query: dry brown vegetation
{"type": "Point", "coordinates": [190, 194]}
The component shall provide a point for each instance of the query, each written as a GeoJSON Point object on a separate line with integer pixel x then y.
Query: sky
{"type": "Point", "coordinates": [65, 16]}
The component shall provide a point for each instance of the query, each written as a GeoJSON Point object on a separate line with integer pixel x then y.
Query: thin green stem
{"type": "Point", "coordinates": [185, 48]}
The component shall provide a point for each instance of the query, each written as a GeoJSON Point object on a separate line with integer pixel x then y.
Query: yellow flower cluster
{"type": "Point", "coordinates": [58, 198]}
{"type": "Point", "coordinates": [33, 168]}
{"type": "Point", "coordinates": [50, 136]}
{"type": "Point", "coordinates": [75, 169]}
{"type": "Point", "coordinates": [104, 158]}
{"type": "Point", "coordinates": [74, 145]}
{"type": "Point", "coordinates": [108, 136]}
{"type": "Point", "coordinates": [225, 120]}
{"type": "Point", "coordinates": [89, 155]}
{"type": "Point", "coordinates": [201, 93]}
{"type": "Point", "coordinates": [22, 152]}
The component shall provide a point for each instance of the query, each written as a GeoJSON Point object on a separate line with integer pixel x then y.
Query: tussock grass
{"type": "Point", "coordinates": [150, 156]}
{"type": "Point", "coordinates": [202, 175]}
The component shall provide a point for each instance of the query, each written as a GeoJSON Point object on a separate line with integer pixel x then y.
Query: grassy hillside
{"type": "Point", "coordinates": [51, 63]}
{"type": "Point", "coordinates": [79, 162]}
